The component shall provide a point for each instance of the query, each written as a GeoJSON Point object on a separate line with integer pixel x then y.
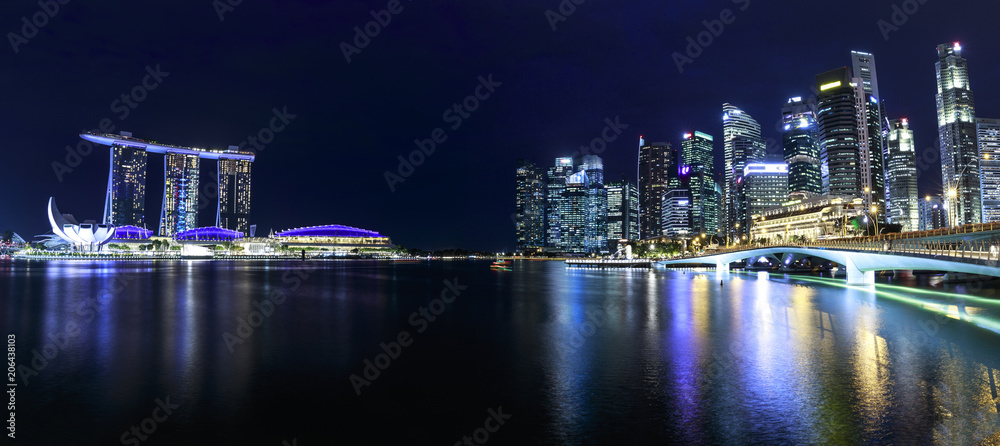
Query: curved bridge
{"type": "Point", "coordinates": [862, 262]}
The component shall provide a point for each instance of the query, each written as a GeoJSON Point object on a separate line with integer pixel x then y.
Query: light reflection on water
{"type": "Point", "coordinates": [581, 356]}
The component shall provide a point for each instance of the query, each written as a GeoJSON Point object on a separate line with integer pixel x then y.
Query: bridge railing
{"type": "Point", "coordinates": [981, 250]}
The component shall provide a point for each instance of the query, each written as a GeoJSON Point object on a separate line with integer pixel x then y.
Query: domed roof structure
{"type": "Point", "coordinates": [209, 233]}
{"type": "Point", "coordinates": [329, 231]}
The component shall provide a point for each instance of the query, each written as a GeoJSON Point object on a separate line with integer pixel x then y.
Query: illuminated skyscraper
{"type": "Point", "coordinates": [901, 175]}
{"type": "Point", "coordinates": [654, 168]}
{"type": "Point", "coordinates": [180, 193]}
{"type": "Point", "coordinates": [623, 212]}
{"type": "Point", "coordinates": [555, 203]}
{"type": "Point", "coordinates": [676, 217]}
{"type": "Point", "coordinates": [575, 212]}
{"type": "Point", "coordinates": [871, 151]}
{"type": "Point", "coordinates": [988, 131]}
{"type": "Point", "coordinates": [697, 153]}
{"type": "Point", "coordinates": [932, 213]}
{"type": "Point", "coordinates": [957, 133]}
{"type": "Point", "coordinates": [864, 68]}
{"type": "Point", "coordinates": [800, 143]}
{"type": "Point", "coordinates": [234, 194]}
{"type": "Point", "coordinates": [125, 204]}
{"type": "Point", "coordinates": [840, 131]}
{"type": "Point", "coordinates": [530, 212]}
{"type": "Point", "coordinates": [851, 140]}
{"type": "Point", "coordinates": [742, 144]}
{"type": "Point", "coordinates": [595, 234]}
{"type": "Point", "coordinates": [762, 186]}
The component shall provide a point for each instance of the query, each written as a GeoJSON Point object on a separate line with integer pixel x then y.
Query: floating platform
{"type": "Point", "coordinates": [610, 263]}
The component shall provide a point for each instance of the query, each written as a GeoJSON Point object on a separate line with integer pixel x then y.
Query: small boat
{"type": "Point", "coordinates": [501, 265]}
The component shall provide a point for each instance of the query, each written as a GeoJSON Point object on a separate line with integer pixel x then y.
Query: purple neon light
{"type": "Point", "coordinates": [329, 231]}
{"type": "Point", "coordinates": [109, 139]}
{"type": "Point", "coordinates": [208, 233]}
{"type": "Point", "coordinates": [132, 233]}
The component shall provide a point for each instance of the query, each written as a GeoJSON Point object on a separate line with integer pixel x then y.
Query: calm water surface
{"type": "Point", "coordinates": [572, 356]}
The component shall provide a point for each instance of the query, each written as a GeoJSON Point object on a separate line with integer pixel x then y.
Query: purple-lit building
{"type": "Point", "coordinates": [333, 238]}
{"type": "Point", "coordinates": [208, 234]}
{"type": "Point", "coordinates": [131, 233]}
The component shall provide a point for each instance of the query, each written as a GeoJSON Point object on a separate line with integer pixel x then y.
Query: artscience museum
{"type": "Point", "coordinates": [86, 236]}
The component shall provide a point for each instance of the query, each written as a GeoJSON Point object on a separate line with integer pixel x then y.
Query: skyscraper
{"type": "Point", "coordinates": [529, 215]}
{"type": "Point", "coordinates": [234, 194]}
{"type": "Point", "coordinates": [988, 134]}
{"type": "Point", "coordinates": [555, 203]}
{"type": "Point", "coordinates": [125, 204]}
{"type": "Point", "coordinates": [762, 186]}
{"type": "Point", "coordinates": [623, 212]}
{"type": "Point", "coordinates": [697, 154]}
{"type": "Point", "coordinates": [871, 151]}
{"type": "Point", "coordinates": [577, 208]}
{"type": "Point", "coordinates": [742, 144]}
{"type": "Point", "coordinates": [180, 193]}
{"type": "Point", "coordinates": [851, 140]}
{"type": "Point", "coordinates": [574, 216]}
{"type": "Point", "coordinates": [901, 176]}
{"type": "Point", "coordinates": [840, 132]}
{"type": "Point", "coordinates": [676, 216]}
{"type": "Point", "coordinates": [595, 234]}
{"type": "Point", "coordinates": [654, 167]}
{"type": "Point", "coordinates": [957, 133]}
{"type": "Point", "coordinates": [932, 213]}
{"type": "Point", "coordinates": [800, 143]}
{"type": "Point", "coordinates": [864, 68]}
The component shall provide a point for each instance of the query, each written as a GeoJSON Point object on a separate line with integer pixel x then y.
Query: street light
{"type": "Point", "coordinates": [875, 218]}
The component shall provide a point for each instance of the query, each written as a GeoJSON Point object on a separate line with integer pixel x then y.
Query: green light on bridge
{"type": "Point", "coordinates": [934, 307]}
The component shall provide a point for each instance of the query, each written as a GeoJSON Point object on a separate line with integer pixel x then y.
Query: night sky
{"type": "Point", "coordinates": [557, 87]}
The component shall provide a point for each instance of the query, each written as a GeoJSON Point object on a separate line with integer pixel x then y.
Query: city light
{"type": "Point", "coordinates": [825, 87]}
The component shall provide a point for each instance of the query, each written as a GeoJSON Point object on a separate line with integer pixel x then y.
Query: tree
{"type": "Point", "coordinates": [7, 236]}
{"type": "Point", "coordinates": [640, 249]}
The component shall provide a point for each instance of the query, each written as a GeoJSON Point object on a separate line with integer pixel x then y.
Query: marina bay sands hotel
{"type": "Point", "coordinates": [125, 204]}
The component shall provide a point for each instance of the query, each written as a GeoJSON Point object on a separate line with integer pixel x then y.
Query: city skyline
{"type": "Point", "coordinates": [661, 108]}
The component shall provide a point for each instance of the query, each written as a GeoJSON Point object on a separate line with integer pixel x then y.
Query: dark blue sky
{"type": "Point", "coordinates": [606, 60]}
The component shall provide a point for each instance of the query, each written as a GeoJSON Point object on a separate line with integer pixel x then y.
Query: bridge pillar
{"type": "Point", "coordinates": [857, 277]}
{"type": "Point", "coordinates": [721, 267]}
